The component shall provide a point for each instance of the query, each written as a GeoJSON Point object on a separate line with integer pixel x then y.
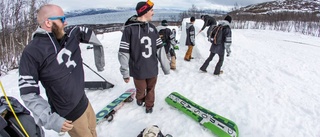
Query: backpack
{"type": "Point", "coordinates": [164, 37]}
{"type": "Point", "coordinates": [10, 126]}
{"type": "Point", "coordinates": [216, 36]}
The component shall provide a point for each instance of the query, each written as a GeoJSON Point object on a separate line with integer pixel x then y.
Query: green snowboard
{"type": "Point", "coordinates": [217, 124]}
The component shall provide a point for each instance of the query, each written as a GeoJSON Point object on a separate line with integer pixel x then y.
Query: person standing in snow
{"type": "Point", "coordinates": [167, 38]}
{"type": "Point", "coordinates": [208, 21]}
{"type": "Point", "coordinates": [190, 40]}
{"type": "Point", "coordinates": [139, 53]}
{"type": "Point", "coordinates": [220, 48]}
{"type": "Point", "coordinates": [53, 57]}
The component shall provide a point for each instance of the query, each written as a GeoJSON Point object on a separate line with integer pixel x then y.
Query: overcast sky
{"type": "Point", "coordinates": [68, 5]}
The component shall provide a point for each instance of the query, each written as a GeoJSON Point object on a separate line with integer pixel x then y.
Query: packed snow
{"type": "Point", "coordinates": [268, 88]}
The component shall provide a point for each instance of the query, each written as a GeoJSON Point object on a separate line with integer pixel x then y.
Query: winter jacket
{"type": "Point", "coordinates": [167, 38]}
{"type": "Point", "coordinates": [190, 40]}
{"type": "Point", "coordinates": [219, 49]}
{"type": "Point", "coordinates": [208, 21]}
{"type": "Point", "coordinates": [58, 65]}
{"type": "Point", "coordinates": [140, 49]}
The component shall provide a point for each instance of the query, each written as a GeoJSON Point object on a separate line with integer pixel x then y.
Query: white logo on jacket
{"type": "Point", "coordinates": [151, 29]}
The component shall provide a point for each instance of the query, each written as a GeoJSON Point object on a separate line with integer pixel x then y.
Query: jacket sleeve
{"type": "Point", "coordinates": [192, 35]}
{"type": "Point", "coordinates": [205, 23]}
{"type": "Point", "coordinates": [42, 112]}
{"type": "Point", "coordinates": [172, 41]}
{"type": "Point", "coordinates": [162, 57]}
{"type": "Point", "coordinates": [228, 39]}
{"type": "Point", "coordinates": [88, 36]}
{"type": "Point", "coordinates": [123, 54]}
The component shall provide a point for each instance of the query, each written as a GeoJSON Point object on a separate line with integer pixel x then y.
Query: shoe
{"type": "Point", "coordinates": [139, 103]}
{"type": "Point", "coordinates": [219, 73]}
{"type": "Point", "coordinates": [203, 70]}
{"type": "Point", "coordinates": [192, 58]}
{"type": "Point", "coordinates": [149, 110]}
{"type": "Point", "coordinates": [187, 59]}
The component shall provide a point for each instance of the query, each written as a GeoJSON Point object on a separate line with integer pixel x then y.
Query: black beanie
{"type": "Point", "coordinates": [143, 7]}
{"type": "Point", "coordinates": [164, 23]}
{"type": "Point", "coordinates": [228, 18]}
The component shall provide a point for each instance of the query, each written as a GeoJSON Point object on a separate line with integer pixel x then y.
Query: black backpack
{"type": "Point", "coordinates": [9, 125]}
{"type": "Point", "coordinates": [164, 37]}
{"type": "Point", "coordinates": [216, 35]}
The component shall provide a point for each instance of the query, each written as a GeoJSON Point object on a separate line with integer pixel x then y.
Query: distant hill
{"type": "Point", "coordinates": [310, 6]}
{"type": "Point", "coordinates": [93, 11]}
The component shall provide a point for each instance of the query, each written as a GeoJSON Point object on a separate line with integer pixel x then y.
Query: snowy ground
{"type": "Point", "coordinates": [269, 87]}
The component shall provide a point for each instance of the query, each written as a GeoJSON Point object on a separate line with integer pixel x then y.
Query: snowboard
{"type": "Point", "coordinates": [108, 111]}
{"type": "Point", "coordinates": [217, 124]}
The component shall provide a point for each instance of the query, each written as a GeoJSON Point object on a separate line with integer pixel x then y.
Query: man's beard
{"type": "Point", "coordinates": [58, 32]}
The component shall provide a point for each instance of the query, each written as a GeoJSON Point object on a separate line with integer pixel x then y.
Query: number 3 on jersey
{"type": "Point", "coordinates": [147, 42]}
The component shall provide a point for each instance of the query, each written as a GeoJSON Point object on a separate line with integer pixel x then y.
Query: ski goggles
{"type": "Point", "coordinates": [62, 18]}
{"type": "Point", "coordinates": [150, 3]}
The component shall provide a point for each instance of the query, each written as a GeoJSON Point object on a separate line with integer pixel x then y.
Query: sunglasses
{"type": "Point", "coordinates": [62, 18]}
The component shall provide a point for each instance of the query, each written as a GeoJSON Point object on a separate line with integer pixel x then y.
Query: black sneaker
{"type": "Point", "coordinates": [149, 110]}
{"type": "Point", "coordinates": [203, 70]}
{"type": "Point", "coordinates": [219, 73]}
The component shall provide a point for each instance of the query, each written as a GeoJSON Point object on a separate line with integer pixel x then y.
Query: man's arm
{"type": "Point", "coordinates": [192, 35]}
{"type": "Point", "coordinates": [124, 54]}
{"type": "Point", "coordinates": [88, 36]}
{"type": "Point", "coordinates": [228, 41]}
{"type": "Point", "coordinates": [42, 112]}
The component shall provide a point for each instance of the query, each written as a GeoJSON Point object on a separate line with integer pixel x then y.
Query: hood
{"type": "Point", "coordinates": [133, 20]}
{"type": "Point", "coordinates": [188, 25]}
{"type": "Point", "coordinates": [161, 27]}
{"type": "Point", "coordinates": [42, 31]}
{"type": "Point", "coordinates": [224, 23]}
{"type": "Point", "coordinates": [39, 31]}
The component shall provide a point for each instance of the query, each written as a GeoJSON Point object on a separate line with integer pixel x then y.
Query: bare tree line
{"type": "Point", "coordinates": [18, 21]}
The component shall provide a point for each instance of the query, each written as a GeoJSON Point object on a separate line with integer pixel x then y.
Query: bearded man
{"type": "Point", "coordinates": [53, 57]}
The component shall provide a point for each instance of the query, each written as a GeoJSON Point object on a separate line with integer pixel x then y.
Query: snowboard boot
{"type": "Point", "coordinates": [173, 63]}
{"type": "Point", "coordinates": [139, 103]}
{"type": "Point", "coordinates": [149, 110]}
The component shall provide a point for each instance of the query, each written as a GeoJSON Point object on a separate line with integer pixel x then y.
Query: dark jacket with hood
{"type": "Point", "coordinates": [208, 21]}
{"type": "Point", "coordinates": [190, 40]}
{"type": "Point", "coordinates": [140, 49]}
{"type": "Point", "coordinates": [226, 37]}
{"type": "Point", "coordinates": [58, 65]}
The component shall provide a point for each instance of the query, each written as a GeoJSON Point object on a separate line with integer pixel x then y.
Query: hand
{"type": "Point", "coordinates": [126, 80]}
{"type": "Point", "coordinates": [67, 125]}
{"type": "Point", "coordinates": [228, 54]}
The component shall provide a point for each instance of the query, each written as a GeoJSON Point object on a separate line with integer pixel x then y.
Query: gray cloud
{"type": "Point", "coordinates": [239, 2]}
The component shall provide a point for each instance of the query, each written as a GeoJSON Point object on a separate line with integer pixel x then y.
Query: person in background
{"type": "Point", "coordinates": [53, 57]}
{"type": "Point", "coordinates": [139, 53]}
{"type": "Point", "coordinates": [208, 21]}
{"type": "Point", "coordinates": [167, 38]}
{"type": "Point", "coordinates": [190, 40]}
{"type": "Point", "coordinates": [220, 48]}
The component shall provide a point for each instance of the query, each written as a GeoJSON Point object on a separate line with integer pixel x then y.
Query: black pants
{"type": "Point", "coordinates": [209, 59]}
